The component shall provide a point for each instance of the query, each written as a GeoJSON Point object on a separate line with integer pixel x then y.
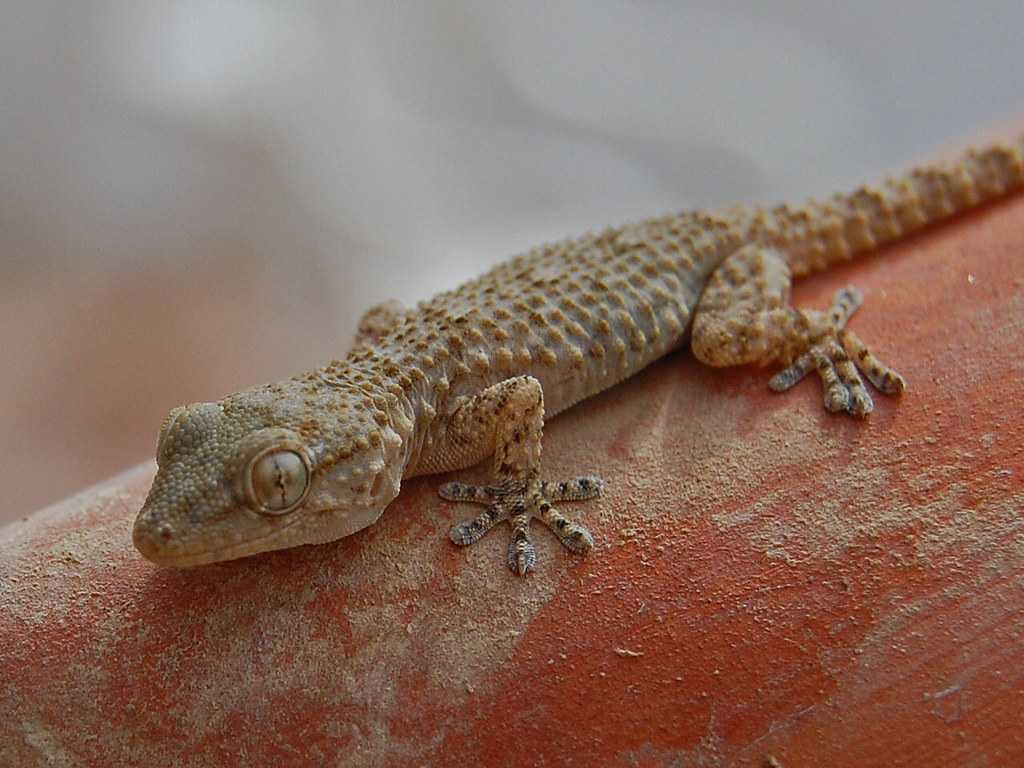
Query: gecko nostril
{"type": "Point", "coordinates": [150, 538]}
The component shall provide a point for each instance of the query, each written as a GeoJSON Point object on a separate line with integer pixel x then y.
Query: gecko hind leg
{"type": "Point", "coordinates": [744, 317]}
{"type": "Point", "coordinates": [510, 416]}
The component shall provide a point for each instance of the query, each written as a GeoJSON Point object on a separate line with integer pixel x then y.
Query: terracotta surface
{"type": "Point", "coordinates": [770, 583]}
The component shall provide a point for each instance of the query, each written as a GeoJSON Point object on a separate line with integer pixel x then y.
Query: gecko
{"type": "Point", "coordinates": [474, 372]}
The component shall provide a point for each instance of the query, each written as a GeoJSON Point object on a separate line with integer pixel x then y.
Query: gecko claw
{"type": "Point", "coordinates": [521, 555]}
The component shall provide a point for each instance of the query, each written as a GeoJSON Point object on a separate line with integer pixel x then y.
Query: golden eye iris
{"type": "Point", "coordinates": [278, 481]}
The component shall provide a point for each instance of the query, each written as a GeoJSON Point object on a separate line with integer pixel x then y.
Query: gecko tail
{"type": "Point", "coordinates": [825, 232]}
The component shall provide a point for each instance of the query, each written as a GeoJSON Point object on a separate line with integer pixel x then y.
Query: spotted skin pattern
{"type": "Point", "coordinates": [475, 372]}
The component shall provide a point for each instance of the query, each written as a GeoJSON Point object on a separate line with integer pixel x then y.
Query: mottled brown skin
{"type": "Point", "coordinates": [474, 372]}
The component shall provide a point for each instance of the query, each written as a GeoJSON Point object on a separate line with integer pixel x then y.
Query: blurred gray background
{"type": "Point", "coordinates": [202, 195]}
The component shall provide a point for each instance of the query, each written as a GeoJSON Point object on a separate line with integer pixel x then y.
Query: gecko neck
{"type": "Point", "coordinates": [408, 394]}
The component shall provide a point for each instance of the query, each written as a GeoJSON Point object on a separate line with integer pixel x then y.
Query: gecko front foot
{"type": "Point", "coordinates": [518, 501]}
{"type": "Point", "coordinates": [839, 357]}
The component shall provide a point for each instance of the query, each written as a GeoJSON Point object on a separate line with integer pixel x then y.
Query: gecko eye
{"type": "Point", "coordinates": [277, 481]}
{"type": "Point", "coordinates": [165, 428]}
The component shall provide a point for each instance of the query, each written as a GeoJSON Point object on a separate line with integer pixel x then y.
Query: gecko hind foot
{"type": "Point", "coordinates": [518, 501]}
{"type": "Point", "coordinates": [839, 357]}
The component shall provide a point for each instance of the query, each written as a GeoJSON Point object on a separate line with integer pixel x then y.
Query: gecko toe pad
{"type": "Point", "coordinates": [521, 554]}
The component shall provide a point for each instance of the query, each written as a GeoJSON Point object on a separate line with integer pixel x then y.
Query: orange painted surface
{"type": "Point", "coordinates": [770, 581]}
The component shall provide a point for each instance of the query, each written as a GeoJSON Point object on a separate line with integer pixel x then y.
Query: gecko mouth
{"type": "Point", "coordinates": [151, 545]}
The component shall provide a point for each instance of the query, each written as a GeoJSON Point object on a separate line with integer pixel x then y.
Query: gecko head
{"type": "Point", "coordinates": [254, 473]}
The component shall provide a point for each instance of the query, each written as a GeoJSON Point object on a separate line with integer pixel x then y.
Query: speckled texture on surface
{"type": "Point", "coordinates": [741, 604]}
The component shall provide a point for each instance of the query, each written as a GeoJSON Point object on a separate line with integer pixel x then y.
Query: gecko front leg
{"type": "Point", "coordinates": [507, 419]}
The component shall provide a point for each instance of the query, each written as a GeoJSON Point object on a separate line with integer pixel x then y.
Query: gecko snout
{"type": "Point", "coordinates": [151, 538]}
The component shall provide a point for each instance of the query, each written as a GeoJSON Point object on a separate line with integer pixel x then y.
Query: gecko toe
{"type": "Point", "coordinates": [573, 536]}
{"type": "Point", "coordinates": [577, 489]}
{"type": "Point", "coordinates": [860, 403]}
{"type": "Point", "coordinates": [521, 554]}
{"type": "Point", "coordinates": [470, 531]}
{"type": "Point", "coordinates": [475, 494]}
{"type": "Point", "coordinates": [579, 541]}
